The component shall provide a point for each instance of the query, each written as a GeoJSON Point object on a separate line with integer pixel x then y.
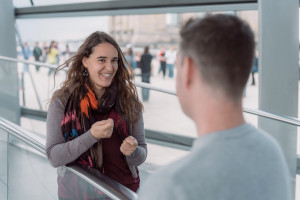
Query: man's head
{"type": "Point", "coordinates": [221, 48]}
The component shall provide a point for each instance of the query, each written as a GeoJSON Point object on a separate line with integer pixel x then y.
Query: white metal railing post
{"type": "Point", "coordinates": [279, 72]}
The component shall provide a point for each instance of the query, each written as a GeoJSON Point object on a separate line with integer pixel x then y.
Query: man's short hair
{"type": "Point", "coordinates": [222, 46]}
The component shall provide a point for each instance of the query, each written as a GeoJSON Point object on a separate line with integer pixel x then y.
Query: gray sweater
{"type": "Point", "coordinates": [242, 163]}
{"type": "Point", "coordinates": [60, 152]}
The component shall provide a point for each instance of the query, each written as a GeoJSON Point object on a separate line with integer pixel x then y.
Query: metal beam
{"type": "Point", "coordinates": [33, 114]}
{"type": "Point", "coordinates": [279, 72]}
{"type": "Point", "coordinates": [9, 90]}
{"type": "Point", "coordinates": [130, 7]}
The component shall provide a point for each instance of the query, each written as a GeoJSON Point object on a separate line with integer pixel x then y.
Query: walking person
{"type": "Point", "coordinates": [45, 51]}
{"type": "Point", "coordinates": [130, 64]}
{"type": "Point", "coordinates": [254, 69]}
{"type": "Point", "coordinates": [129, 55]}
{"type": "Point", "coordinates": [37, 53]}
{"type": "Point", "coordinates": [52, 56]}
{"type": "Point", "coordinates": [146, 59]}
{"type": "Point", "coordinates": [95, 119]}
{"type": "Point", "coordinates": [26, 54]}
{"type": "Point", "coordinates": [170, 61]}
{"type": "Point", "coordinates": [162, 61]}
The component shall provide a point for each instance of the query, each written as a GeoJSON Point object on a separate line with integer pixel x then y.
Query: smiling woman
{"type": "Point", "coordinates": [95, 120]}
{"type": "Point", "coordinates": [102, 66]}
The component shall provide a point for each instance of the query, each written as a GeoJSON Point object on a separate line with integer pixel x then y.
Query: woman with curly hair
{"type": "Point", "coordinates": [95, 119]}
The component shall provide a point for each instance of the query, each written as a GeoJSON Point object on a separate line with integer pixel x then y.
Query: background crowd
{"type": "Point", "coordinates": [139, 59]}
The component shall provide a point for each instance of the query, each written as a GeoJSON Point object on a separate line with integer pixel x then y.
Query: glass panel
{"type": "Point", "coordinates": [9, 100]}
{"type": "Point", "coordinates": [156, 30]}
{"type": "Point", "coordinates": [3, 164]}
{"type": "Point", "coordinates": [71, 29]}
{"type": "Point", "coordinates": [21, 3]}
{"type": "Point", "coordinates": [25, 173]}
{"type": "Point", "coordinates": [73, 187]}
{"type": "Point", "coordinates": [162, 112]}
{"type": "Point", "coordinates": [30, 175]}
{"type": "Point", "coordinates": [251, 91]}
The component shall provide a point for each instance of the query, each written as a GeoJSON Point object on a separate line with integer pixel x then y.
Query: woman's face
{"type": "Point", "coordinates": [102, 65]}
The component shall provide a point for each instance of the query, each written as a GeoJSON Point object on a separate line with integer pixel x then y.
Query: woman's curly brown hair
{"type": "Point", "coordinates": [127, 94]}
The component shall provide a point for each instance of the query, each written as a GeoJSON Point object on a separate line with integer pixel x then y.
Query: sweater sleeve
{"type": "Point", "coordinates": [140, 154]}
{"type": "Point", "coordinates": [58, 151]}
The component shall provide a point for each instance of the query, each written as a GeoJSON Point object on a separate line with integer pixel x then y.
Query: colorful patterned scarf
{"type": "Point", "coordinates": [78, 117]}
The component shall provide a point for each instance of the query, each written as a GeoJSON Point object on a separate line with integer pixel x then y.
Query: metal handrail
{"type": "Point", "coordinates": [158, 89]}
{"type": "Point", "coordinates": [5, 58]}
{"type": "Point", "coordinates": [22, 135]}
{"type": "Point", "coordinates": [106, 185]}
{"type": "Point", "coordinates": [258, 112]}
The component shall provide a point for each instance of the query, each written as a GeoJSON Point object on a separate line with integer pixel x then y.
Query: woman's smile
{"type": "Point", "coordinates": [106, 75]}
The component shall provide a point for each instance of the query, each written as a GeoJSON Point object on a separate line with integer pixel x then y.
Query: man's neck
{"type": "Point", "coordinates": [215, 116]}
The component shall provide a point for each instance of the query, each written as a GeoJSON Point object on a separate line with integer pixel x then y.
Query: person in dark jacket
{"type": "Point", "coordinates": [146, 71]}
{"type": "Point", "coordinates": [37, 53]}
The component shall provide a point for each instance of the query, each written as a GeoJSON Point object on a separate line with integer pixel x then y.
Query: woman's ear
{"type": "Point", "coordinates": [84, 59]}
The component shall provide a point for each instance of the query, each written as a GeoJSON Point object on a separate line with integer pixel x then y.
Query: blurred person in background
{"type": "Point", "coordinates": [130, 59]}
{"type": "Point", "coordinates": [231, 159]}
{"type": "Point", "coordinates": [26, 54]}
{"type": "Point", "coordinates": [162, 61]}
{"type": "Point", "coordinates": [45, 51]}
{"type": "Point", "coordinates": [170, 60]}
{"type": "Point", "coordinates": [129, 55]}
{"type": "Point", "coordinates": [37, 53]}
{"type": "Point", "coordinates": [254, 69]}
{"type": "Point", "coordinates": [58, 54]}
{"type": "Point", "coordinates": [67, 53]}
{"type": "Point", "coordinates": [146, 59]}
{"type": "Point", "coordinates": [138, 56]}
{"type": "Point", "coordinates": [95, 120]}
{"type": "Point", "coordinates": [52, 56]}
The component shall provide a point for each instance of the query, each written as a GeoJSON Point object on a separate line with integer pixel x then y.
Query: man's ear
{"type": "Point", "coordinates": [188, 70]}
{"type": "Point", "coordinates": [84, 62]}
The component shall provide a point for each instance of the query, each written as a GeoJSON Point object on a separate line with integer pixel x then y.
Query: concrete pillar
{"type": "Point", "coordinates": [9, 95]}
{"type": "Point", "coordinates": [279, 72]}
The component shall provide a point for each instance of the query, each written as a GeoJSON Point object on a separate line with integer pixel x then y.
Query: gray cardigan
{"type": "Point", "coordinates": [60, 152]}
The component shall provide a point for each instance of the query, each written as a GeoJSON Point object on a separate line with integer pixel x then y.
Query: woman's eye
{"type": "Point", "coordinates": [101, 60]}
{"type": "Point", "coordinates": [115, 61]}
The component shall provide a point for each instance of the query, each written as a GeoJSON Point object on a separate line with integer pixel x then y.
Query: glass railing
{"type": "Point", "coordinates": [25, 172]}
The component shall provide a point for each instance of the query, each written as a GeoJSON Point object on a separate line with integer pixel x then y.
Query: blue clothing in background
{"type": "Point", "coordinates": [26, 54]}
{"type": "Point", "coordinates": [131, 61]}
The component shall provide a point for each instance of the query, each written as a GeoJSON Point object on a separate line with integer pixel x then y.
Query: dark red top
{"type": "Point", "coordinates": [114, 162]}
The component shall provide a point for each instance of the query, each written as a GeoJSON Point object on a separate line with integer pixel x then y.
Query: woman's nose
{"type": "Point", "coordinates": [109, 66]}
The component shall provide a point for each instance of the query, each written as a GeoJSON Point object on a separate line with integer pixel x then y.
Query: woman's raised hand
{"type": "Point", "coordinates": [102, 129]}
{"type": "Point", "coordinates": [128, 146]}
